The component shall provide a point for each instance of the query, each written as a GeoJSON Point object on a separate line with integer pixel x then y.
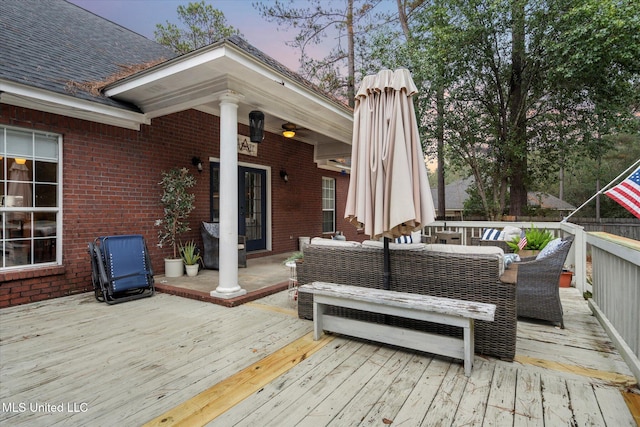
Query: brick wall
{"type": "Point", "coordinates": [110, 186]}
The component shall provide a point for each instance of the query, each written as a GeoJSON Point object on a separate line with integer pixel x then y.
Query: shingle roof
{"type": "Point", "coordinates": [456, 194]}
{"type": "Point", "coordinates": [280, 68]}
{"type": "Point", "coordinates": [49, 43]}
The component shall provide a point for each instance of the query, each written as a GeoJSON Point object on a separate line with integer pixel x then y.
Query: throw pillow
{"type": "Point", "coordinates": [551, 248]}
{"type": "Point", "coordinates": [510, 232]}
{"type": "Point", "coordinates": [510, 259]}
{"type": "Point", "coordinates": [404, 239]}
{"type": "Point", "coordinates": [490, 234]}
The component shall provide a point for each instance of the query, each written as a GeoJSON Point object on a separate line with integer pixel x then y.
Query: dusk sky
{"type": "Point", "coordinates": [142, 16]}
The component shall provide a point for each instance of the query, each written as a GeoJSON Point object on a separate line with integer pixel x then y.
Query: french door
{"type": "Point", "coordinates": [252, 204]}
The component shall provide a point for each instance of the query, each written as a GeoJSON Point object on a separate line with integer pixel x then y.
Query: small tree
{"type": "Point", "coordinates": [177, 203]}
{"type": "Point", "coordinates": [202, 24]}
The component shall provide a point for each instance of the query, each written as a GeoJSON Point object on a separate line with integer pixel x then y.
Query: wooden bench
{"type": "Point", "coordinates": [413, 306]}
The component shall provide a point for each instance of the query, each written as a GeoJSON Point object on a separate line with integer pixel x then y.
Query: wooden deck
{"type": "Point", "coordinates": [160, 360]}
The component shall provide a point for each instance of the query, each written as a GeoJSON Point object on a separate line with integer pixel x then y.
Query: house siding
{"type": "Point", "coordinates": [110, 186]}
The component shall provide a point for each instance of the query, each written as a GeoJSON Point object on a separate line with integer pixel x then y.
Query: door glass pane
{"type": "Point", "coordinates": [253, 205]}
{"type": "Point", "coordinates": [215, 192]}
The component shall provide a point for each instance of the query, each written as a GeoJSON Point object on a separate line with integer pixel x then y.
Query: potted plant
{"type": "Point", "coordinates": [565, 278]}
{"type": "Point", "coordinates": [177, 204]}
{"type": "Point", "coordinates": [190, 256]}
{"type": "Point", "coordinates": [537, 239]}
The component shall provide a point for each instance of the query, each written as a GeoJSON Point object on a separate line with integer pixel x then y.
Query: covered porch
{"type": "Point", "coordinates": [169, 360]}
{"type": "Point", "coordinates": [263, 276]}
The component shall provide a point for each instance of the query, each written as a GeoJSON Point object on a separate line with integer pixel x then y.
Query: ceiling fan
{"type": "Point", "coordinates": [289, 130]}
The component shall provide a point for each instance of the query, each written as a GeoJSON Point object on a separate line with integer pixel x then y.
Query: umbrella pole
{"type": "Point", "coordinates": [387, 268]}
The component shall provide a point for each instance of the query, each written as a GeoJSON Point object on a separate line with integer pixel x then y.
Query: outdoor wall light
{"type": "Point", "coordinates": [256, 126]}
{"type": "Point", "coordinates": [284, 176]}
{"type": "Point", "coordinates": [195, 161]}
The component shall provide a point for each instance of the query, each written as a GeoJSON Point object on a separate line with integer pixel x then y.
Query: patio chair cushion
{"type": "Point", "coordinates": [471, 250]}
{"type": "Point", "coordinates": [319, 241]}
{"type": "Point", "coordinates": [376, 244]}
{"type": "Point", "coordinates": [550, 248]}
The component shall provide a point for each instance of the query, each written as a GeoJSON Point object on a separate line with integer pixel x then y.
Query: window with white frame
{"type": "Point", "coordinates": [29, 198]}
{"type": "Point", "coordinates": [328, 205]}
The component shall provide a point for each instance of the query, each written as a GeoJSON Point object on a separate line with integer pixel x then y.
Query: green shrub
{"type": "Point", "coordinates": [536, 239]}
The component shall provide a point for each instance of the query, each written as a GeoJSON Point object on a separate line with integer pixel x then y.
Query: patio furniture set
{"type": "Point", "coordinates": [458, 273]}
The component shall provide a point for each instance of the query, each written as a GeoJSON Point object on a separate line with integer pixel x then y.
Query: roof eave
{"type": "Point", "coordinates": [193, 80]}
{"type": "Point", "coordinates": [20, 95]}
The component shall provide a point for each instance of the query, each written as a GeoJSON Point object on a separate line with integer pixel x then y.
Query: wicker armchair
{"type": "Point", "coordinates": [538, 293]}
{"type": "Point", "coordinates": [210, 232]}
{"type": "Point", "coordinates": [461, 276]}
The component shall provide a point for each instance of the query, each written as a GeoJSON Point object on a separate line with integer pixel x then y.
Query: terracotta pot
{"type": "Point", "coordinates": [565, 279]}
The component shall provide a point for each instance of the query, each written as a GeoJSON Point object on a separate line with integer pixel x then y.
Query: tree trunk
{"type": "Point", "coordinates": [351, 87]}
{"type": "Point", "coordinates": [440, 137]}
{"type": "Point", "coordinates": [517, 147]}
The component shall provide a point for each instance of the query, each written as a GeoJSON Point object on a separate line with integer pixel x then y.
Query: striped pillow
{"type": "Point", "coordinates": [404, 239]}
{"type": "Point", "coordinates": [490, 234]}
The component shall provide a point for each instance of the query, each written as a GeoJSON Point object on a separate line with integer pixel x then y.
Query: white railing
{"type": "Point", "coordinates": [616, 292]}
{"type": "Point", "coordinates": [615, 284]}
{"type": "Point", "coordinates": [576, 260]}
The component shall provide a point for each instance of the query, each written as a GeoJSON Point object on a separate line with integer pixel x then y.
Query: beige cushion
{"type": "Point", "coordinates": [474, 250]}
{"type": "Point", "coordinates": [395, 246]}
{"type": "Point", "coordinates": [319, 241]}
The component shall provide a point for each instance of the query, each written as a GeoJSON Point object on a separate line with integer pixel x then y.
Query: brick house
{"type": "Point", "coordinates": [91, 159]}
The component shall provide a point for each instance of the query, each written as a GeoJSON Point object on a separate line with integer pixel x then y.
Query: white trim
{"type": "Point", "coordinates": [58, 210]}
{"type": "Point", "coordinates": [250, 62]}
{"type": "Point", "coordinates": [215, 52]}
{"type": "Point", "coordinates": [164, 69]}
{"type": "Point", "coordinates": [60, 239]}
{"type": "Point", "coordinates": [51, 102]}
{"type": "Point", "coordinates": [335, 204]}
{"type": "Point", "coordinates": [267, 169]}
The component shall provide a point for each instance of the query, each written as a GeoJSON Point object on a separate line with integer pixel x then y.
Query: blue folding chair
{"type": "Point", "coordinates": [121, 268]}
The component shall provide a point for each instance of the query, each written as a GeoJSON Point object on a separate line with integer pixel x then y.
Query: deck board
{"type": "Point", "coordinates": [132, 362]}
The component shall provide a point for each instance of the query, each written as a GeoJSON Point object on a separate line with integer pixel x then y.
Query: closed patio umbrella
{"type": "Point", "coordinates": [389, 192]}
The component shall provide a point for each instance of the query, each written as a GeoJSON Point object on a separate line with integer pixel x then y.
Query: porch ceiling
{"type": "Point", "coordinates": [197, 80]}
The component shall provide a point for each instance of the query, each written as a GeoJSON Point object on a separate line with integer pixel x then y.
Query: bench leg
{"type": "Point", "coordinates": [468, 347]}
{"type": "Point", "coordinates": [318, 311]}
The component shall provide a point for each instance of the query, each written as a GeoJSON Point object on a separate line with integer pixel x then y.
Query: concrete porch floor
{"type": "Point", "coordinates": [263, 276]}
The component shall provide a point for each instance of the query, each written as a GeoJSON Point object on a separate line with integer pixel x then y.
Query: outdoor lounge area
{"type": "Point", "coordinates": [184, 358]}
{"type": "Point", "coordinates": [169, 359]}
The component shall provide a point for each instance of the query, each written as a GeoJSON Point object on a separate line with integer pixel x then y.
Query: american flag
{"type": "Point", "coordinates": [523, 240]}
{"type": "Point", "coordinates": [627, 193]}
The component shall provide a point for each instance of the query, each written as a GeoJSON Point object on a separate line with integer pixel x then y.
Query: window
{"type": "Point", "coordinates": [29, 198]}
{"type": "Point", "coordinates": [328, 205]}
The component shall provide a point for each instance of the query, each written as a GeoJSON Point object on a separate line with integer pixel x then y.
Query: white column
{"type": "Point", "coordinates": [228, 286]}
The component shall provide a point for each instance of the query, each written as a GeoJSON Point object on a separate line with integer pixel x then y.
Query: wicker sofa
{"type": "Point", "coordinates": [460, 276]}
